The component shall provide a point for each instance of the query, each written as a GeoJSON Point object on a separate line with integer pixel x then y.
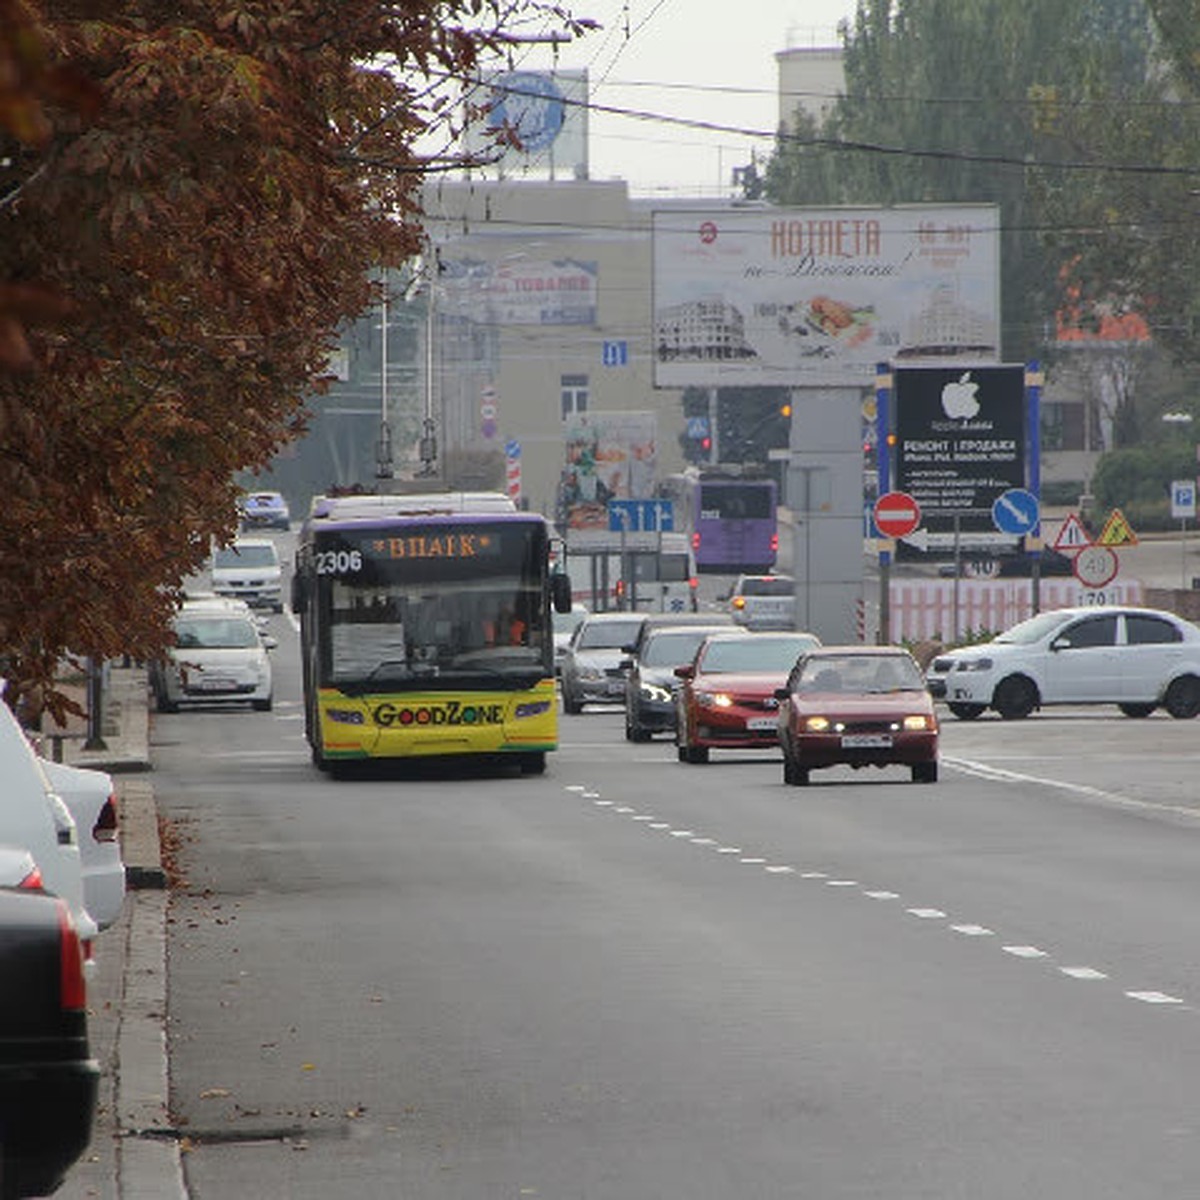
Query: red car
{"type": "Point", "coordinates": [728, 696]}
{"type": "Point", "coordinates": [862, 706]}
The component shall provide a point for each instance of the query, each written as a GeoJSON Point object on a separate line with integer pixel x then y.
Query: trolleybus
{"type": "Point", "coordinates": [425, 629]}
{"type": "Point", "coordinates": [732, 520]}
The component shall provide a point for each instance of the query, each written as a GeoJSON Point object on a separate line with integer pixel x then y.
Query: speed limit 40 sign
{"type": "Point", "coordinates": [1096, 566]}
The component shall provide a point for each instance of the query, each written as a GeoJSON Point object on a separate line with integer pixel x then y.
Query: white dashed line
{"type": "Point", "coordinates": [1025, 952]}
{"type": "Point", "coordinates": [927, 914]}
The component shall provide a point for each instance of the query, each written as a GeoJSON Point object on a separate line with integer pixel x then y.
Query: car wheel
{"type": "Point", "coordinates": [164, 705]}
{"type": "Point", "coordinates": [570, 704]}
{"type": "Point", "coordinates": [793, 774]}
{"type": "Point", "coordinates": [925, 772]}
{"type": "Point", "coordinates": [1182, 700]}
{"type": "Point", "coordinates": [697, 755]}
{"type": "Point", "coordinates": [533, 763]}
{"type": "Point", "coordinates": [966, 712]}
{"type": "Point", "coordinates": [681, 753]}
{"type": "Point", "coordinates": [1015, 697]}
{"type": "Point", "coordinates": [1137, 710]}
{"type": "Point", "coordinates": [263, 705]}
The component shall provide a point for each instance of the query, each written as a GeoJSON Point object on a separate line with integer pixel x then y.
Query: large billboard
{"type": "Point", "coordinates": [819, 296]}
{"type": "Point", "coordinates": [960, 444]}
{"type": "Point", "coordinates": [518, 291]}
{"type": "Point", "coordinates": [609, 456]}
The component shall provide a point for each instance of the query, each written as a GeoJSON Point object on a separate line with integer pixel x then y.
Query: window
{"type": "Point", "coordinates": [574, 391]}
{"type": "Point", "coordinates": [1092, 631]}
{"type": "Point", "coordinates": [1141, 630]}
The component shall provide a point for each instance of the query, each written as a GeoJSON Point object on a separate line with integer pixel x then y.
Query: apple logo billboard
{"type": "Point", "coordinates": [960, 443]}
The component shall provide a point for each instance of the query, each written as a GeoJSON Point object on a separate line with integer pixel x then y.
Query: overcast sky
{"type": "Point", "coordinates": [703, 60]}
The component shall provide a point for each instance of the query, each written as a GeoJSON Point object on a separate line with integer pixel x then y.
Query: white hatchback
{"type": "Point", "coordinates": [1136, 658]}
{"type": "Point", "coordinates": [219, 655]}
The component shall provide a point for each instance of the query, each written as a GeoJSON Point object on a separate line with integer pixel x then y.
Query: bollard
{"type": "Point", "coordinates": [95, 693]}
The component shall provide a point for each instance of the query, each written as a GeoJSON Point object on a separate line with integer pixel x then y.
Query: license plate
{"type": "Point", "coordinates": [615, 687]}
{"type": "Point", "coordinates": [214, 684]}
{"type": "Point", "coordinates": [763, 724]}
{"type": "Point", "coordinates": [866, 741]}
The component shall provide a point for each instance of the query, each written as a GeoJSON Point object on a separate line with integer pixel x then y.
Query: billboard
{"type": "Point", "coordinates": [518, 291]}
{"type": "Point", "coordinates": [819, 296]}
{"type": "Point", "coordinates": [516, 120]}
{"type": "Point", "coordinates": [960, 443]}
{"type": "Point", "coordinates": [609, 456]}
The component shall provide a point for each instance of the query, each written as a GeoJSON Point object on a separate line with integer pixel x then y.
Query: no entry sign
{"type": "Point", "coordinates": [897, 514]}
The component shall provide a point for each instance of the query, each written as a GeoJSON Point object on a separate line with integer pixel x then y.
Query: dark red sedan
{"type": "Point", "coordinates": [727, 700]}
{"type": "Point", "coordinates": [862, 706]}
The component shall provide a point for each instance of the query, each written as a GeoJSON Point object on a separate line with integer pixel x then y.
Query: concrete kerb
{"type": "Point", "coordinates": [148, 1163]}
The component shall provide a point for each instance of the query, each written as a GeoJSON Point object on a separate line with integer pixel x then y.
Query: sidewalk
{"type": "Point", "coordinates": [134, 1154]}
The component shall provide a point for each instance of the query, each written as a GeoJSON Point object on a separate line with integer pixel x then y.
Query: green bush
{"type": "Point", "coordinates": [1138, 479]}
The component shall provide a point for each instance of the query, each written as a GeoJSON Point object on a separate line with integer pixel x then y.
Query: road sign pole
{"type": "Point", "coordinates": [1033, 427]}
{"type": "Point", "coordinates": [883, 390]}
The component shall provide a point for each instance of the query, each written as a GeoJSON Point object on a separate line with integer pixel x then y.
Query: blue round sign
{"type": "Point", "coordinates": [1016, 511]}
{"type": "Point", "coordinates": [531, 106]}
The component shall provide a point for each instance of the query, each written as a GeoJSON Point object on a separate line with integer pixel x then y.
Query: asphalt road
{"type": "Point", "coordinates": [633, 978]}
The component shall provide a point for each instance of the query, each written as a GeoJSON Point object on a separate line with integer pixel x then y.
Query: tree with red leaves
{"type": "Point", "coordinates": [193, 197]}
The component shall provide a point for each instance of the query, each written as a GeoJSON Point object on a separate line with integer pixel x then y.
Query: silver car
{"type": "Point", "coordinates": [591, 665]}
{"type": "Point", "coordinates": [219, 655]}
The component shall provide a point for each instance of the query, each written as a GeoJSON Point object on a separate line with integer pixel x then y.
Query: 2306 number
{"type": "Point", "coordinates": [338, 562]}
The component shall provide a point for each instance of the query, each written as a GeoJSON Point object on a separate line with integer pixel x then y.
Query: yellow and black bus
{"type": "Point", "coordinates": [425, 629]}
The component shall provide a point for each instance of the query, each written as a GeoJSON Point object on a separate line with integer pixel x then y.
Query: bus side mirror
{"type": "Point", "coordinates": [299, 594]}
{"type": "Point", "coordinates": [560, 592]}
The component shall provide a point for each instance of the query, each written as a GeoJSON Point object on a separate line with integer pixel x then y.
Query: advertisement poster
{"type": "Point", "coordinates": [818, 296]}
{"type": "Point", "coordinates": [960, 443]}
{"type": "Point", "coordinates": [609, 456]}
{"type": "Point", "coordinates": [518, 292]}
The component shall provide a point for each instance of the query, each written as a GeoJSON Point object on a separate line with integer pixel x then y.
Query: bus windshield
{"type": "Point", "coordinates": [440, 606]}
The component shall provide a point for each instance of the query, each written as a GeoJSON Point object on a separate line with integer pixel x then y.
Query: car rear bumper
{"type": "Point", "coordinates": [46, 1115]}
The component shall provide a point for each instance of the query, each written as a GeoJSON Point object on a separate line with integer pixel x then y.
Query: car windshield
{"type": "Point", "coordinates": [1033, 630]}
{"type": "Point", "coordinates": [777, 585]}
{"type": "Point", "coordinates": [673, 649]}
{"type": "Point", "coordinates": [215, 633]}
{"type": "Point", "coordinates": [757, 653]}
{"type": "Point", "coordinates": [609, 635]}
{"type": "Point", "coordinates": [871, 673]}
{"type": "Point", "coordinates": [246, 556]}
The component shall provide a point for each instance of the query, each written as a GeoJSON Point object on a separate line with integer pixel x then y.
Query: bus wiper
{"type": "Point", "coordinates": [393, 669]}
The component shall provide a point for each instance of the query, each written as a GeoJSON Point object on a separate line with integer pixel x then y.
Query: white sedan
{"type": "Point", "coordinates": [1136, 658]}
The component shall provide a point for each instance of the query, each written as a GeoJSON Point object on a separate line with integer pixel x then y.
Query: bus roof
{"type": "Point", "coordinates": [349, 508]}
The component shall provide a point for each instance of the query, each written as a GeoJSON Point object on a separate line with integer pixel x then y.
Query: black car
{"type": "Point", "coordinates": [48, 1079]}
{"type": "Point", "coordinates": [664, 643]}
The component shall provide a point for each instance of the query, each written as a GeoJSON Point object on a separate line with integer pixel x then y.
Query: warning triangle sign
{"type": "Point", "coordinates": [1117, 531]}
{"type": "Point", "coordinates": [1072, 535]}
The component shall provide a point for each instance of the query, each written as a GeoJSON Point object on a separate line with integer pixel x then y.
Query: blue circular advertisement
{"type": "Point", "coordinates": [531, 105]}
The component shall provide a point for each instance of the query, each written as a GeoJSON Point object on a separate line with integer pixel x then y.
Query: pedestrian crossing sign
{"type": "Point", "coordinates": [1072, 535]}
{"type": "Point", "coordinates": [1117, 531]}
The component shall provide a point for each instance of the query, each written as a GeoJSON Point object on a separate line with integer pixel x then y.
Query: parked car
{"type": "Point", "coordinates": [727, 700]}
{"type": "Point", "coordinates": [34, 816]}
{"type": "Point", "coordinates": [92, 799]}
{"type": "Point", "coordinates": [264, 510]}
{"type": "Point", "coordinates": [565, 625]}
{"type": "Point", "coordinates": [651, 684]}
{"type": "Point", "coordinates": [219, 656]}
{"type": "Point", "coordinates": [591, 664]}
{"type": "Point", "coordinates": [249, 569]}
{"type": "Point", "coordinates": [861, 706]}
{"type": "Point", "coordinates": [764, 601]}
{"type": "Point", "coordinates": [49, 1081]}
{"type": "Point", "coordinates": [1136, 658]}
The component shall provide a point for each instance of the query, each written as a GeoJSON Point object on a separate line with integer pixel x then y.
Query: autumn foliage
{"type": "Point", "coordinates": [192, 198]}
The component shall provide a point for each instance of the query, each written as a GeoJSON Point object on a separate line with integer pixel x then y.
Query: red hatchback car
{"type": "Point", "coordinates": [728, 699]}
{"type": "Point", "coordinates": [862, 706]}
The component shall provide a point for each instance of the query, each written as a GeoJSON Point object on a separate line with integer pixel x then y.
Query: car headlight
{"type": "Point", "coordinates": [917, 721]}
{"type": "Point", "coordinates": [653, 693]}
{"type": "Point", "coordinates": [713, 699]}
{"type": "Point", "coordinates": [975, 664]}
{"type": "Point", "coordinates": [816, 724]}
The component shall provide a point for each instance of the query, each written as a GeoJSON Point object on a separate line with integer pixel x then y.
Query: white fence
{"type": "Point", "coordinates": [926, 609]}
